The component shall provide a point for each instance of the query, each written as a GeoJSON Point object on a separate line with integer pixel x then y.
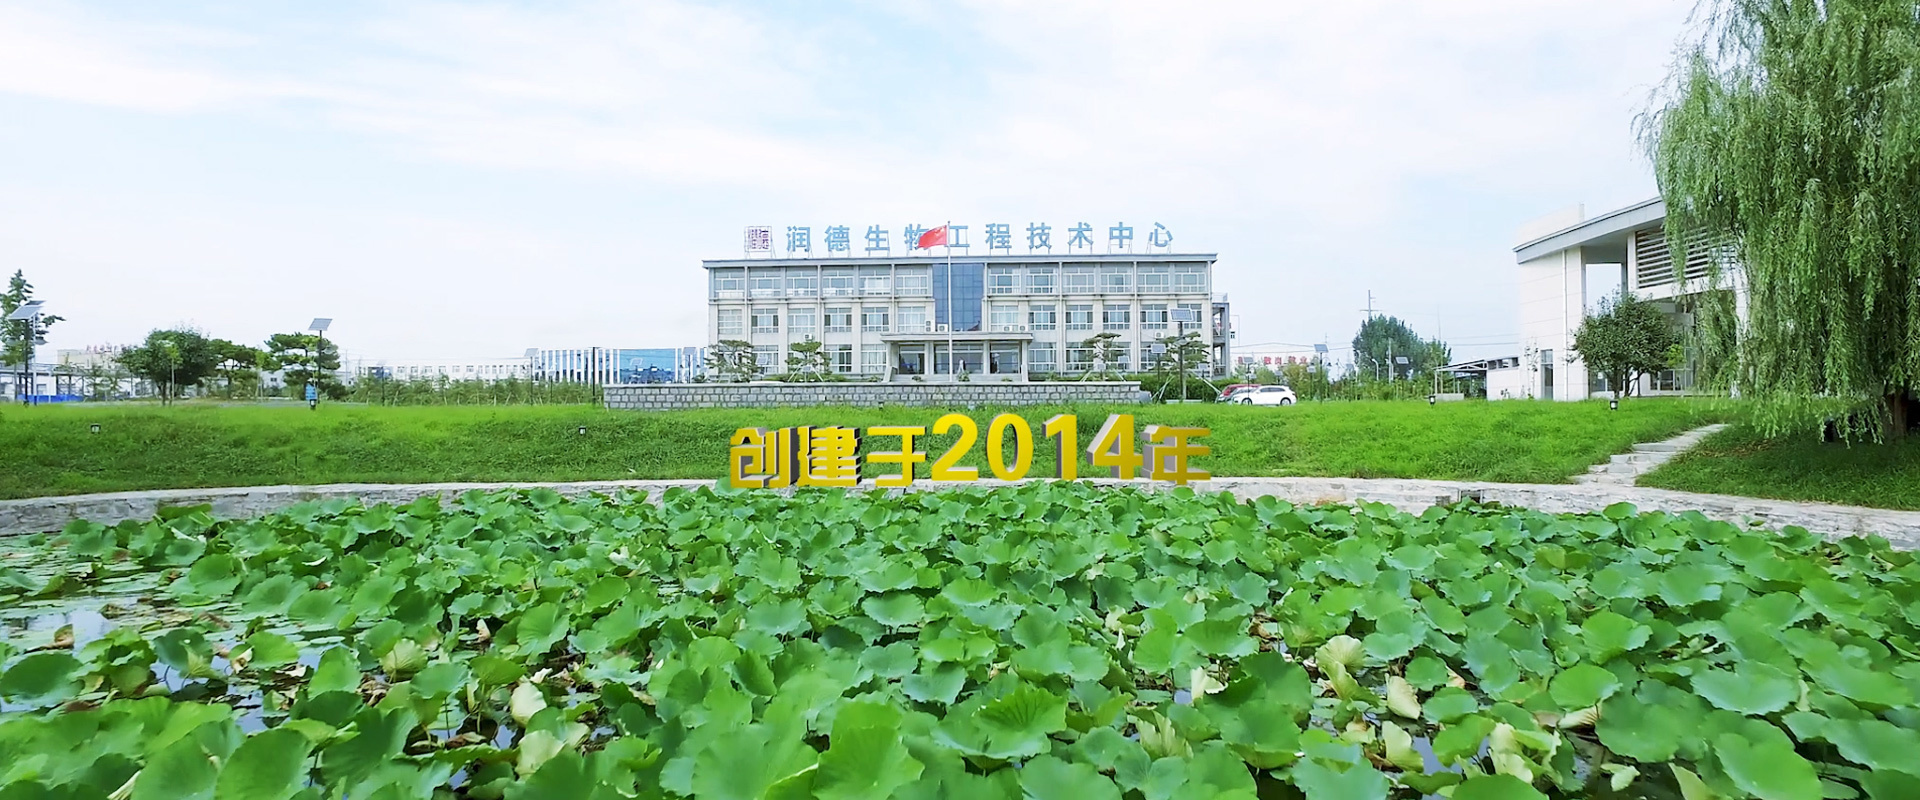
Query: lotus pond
{"type": "Point", "coordinates": [1046, 641]}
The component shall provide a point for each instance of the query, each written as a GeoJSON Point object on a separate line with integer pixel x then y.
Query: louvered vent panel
{"type": "Point", "coordinates": [1653, 261]}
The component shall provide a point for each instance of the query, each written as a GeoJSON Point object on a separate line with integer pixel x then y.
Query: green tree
{"type": "Point", "coordinates": [1382, 340]}
{"type": "Point", "coordinates": [240, 365]}
{"type": "Point", "coordinates": [1792, 129]}
{"type": "Point", "coordinates": [1628, 338]}
{"type": "Point", "coordinates": [20, 337]}
{"type": "Point", "coordinates": [807, 361]}
{"type": "Point", "coordinates": [1105, 350]}
{"type": "Point", "coordinates": [733, 360]}
{"type": "Point", "coordinates": [171, 359]}
{"type": "Point", "coordinates": [308, 358]}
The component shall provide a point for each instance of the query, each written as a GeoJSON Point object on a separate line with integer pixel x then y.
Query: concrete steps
{"type": "Point", "coordinates": [1624, 468]}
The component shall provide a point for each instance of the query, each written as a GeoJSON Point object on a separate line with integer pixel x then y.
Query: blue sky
{"type": "Point", "coordinates": [467, 180]}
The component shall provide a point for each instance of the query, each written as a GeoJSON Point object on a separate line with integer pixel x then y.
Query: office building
{"type": "Point", "coordinates": [993, 317]}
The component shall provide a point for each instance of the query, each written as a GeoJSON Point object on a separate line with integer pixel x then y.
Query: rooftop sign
{"type": "Point", "coordinates": [998, 237]}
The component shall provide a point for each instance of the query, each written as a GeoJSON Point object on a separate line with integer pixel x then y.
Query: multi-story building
{"type": "Point", "coordinates": [599, 365]}
{"type": "Point", "coordinates": [992, 317]}
{"type": "Point", "coordinates": [1625, 250]}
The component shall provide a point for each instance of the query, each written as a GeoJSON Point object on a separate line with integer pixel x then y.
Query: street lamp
{"type": "Point", "coordinates": [30, 313]}
{"type": "Point", "coordinates": [319, 326]}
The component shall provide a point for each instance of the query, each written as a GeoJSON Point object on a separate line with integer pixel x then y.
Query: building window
{"type": "Point", "coordinates": [1153, 316]}
{"type": "Point", "coordinates": [1040, 357]}
{"type": "Point", "coordinates": [800, 322]}
{"type": "Point", "coordinates": [873, 359]}
{"type": "Point", "coordinates": [1080, 280]}
{"type": "Point", "coordinates": [1080, 316]}
{"type": "Point", "coordinates": [767, 356]}
{"type": "Point", "coordinates": [839, 320]}
{"type": "Point", "coordinates": [765, 285]}
{"type": "Point", "coordinates": [1122, 357]}
{"type": "Point", "coordinates": [838, 283]}
{"type": "Point", "coordinates": [1040, 280]}
{"type": "Point", "coordinates": [733, 322]}
{"type": "Point", "coordinates": [876, 280]}
{"type": "Point", "coordinates": [913, 283]}
{"type": "Point", "coordinates": [1079, 359]}
{"type": "Point", "coordinates": [1116, 279]}
{"type": "Point", "coordinates": [1116, 318]}
{"type": "Point", "coordinates": [842, 357]}
{"type": "Point", "coordinates": [873, 320]}
{"type": "Point", "coordinates": [1155, 279]}
{"type": "Point", "coordinates": [912, 319]}
{"type": "Point", "coordinates": [803, 283]}
{"type": "Point", "coordinates": [766, 320]}
{"type": "Point", "coordinates": [1004, 317]}
{"type": "Point", "coordinates": [1190, 279]}
{"type": "Point", "coordinates": [1041, 318]}
{"type": "Point", "coordinates": [1003, 358]}
{"type": "Point", "coordinates": [1001, 280]}
{"type": "Point", "coordinates": [729, 283]}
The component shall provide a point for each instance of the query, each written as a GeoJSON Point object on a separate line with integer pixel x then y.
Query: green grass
{"type": "Point", "coordinates": [48, 450]}
{"type": "Point", "coordinates": [1740, 461]}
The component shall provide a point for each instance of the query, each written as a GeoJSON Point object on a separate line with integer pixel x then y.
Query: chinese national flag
{"type": "Point", "coordinates": [932, 238]}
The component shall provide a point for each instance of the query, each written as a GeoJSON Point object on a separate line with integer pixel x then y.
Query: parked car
{"type": "Point", "coordinates": [1265, 396]}
{"type": "Point", "coordinates": [1227, 391]}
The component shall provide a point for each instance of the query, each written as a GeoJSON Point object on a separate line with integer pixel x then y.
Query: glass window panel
{"type": "Point", "coordinates": [1040, 280]}
{"type": "Point", "coordinates": [1041, 318]}
{"type": "Point", "coordinates": [732, 322]}
{"type": "Point", "coordinates": [1079, 316]}
{"type": "Point", "coordinates": [839, 320]}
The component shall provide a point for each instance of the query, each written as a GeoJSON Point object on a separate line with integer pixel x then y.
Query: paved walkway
{"type": "Point", "coordinates": [1626, 468]}
{"type": "Point", "coordinates": [1902, 528]}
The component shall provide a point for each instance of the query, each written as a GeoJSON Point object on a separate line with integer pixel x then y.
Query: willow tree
{"type": "Point", "coordinates": [1792, 128]}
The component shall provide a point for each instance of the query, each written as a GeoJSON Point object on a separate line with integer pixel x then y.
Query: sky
{"type": "Point", "coordinates": [453, 181]}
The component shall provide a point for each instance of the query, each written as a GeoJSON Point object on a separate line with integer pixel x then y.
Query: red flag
{"type": "Point", "coordinates": [932, 238]}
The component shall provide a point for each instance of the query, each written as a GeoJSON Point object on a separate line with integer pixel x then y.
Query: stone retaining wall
{"type": "Point", "coordinates": [1902, 528]}
{"type": "Point", "coordinates": [670, 396]}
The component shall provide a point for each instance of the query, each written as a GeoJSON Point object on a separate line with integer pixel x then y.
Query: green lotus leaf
{"type": "Point", "coordinates": [1495, 787]}
{"type": "Point", "coordinates": [867, 759]}
{"type": "Point", "coordinates": [1449, 704]}
{"type": "Point", "coordinates": [1751, 688]}
{"type": "Point", "coordinates": [1583, 685]}
{"type": "Point", "coordinates": [1401, 698]}
{"type": "Point", "coordinates": [271, 765]}
{"type": "Point", "coordinates": [940, 685]}
{"type": "Point", "coordinates": [1769, 769]}
{"type": "Point", "coordinates": [756, 761]}
{"type": "Point", "coordinates": [267, 650]}
{"type": "Point", "coordinates": [178, 771]}
{"type": "Point", "coordinates": [1875, 743]}
{"type": "Point", "coordinates": [1608, 635]}
{"type": "Point", "coordinates": [539, 628]}
{"type": "Point", "coordinates": [895, 609]}
{"type": "Point", "coordinates": [1860, 685]}
{"type": "Point", "coordinates": [41, 679]}
{"type": "Point", "coordinates": [1319, 781]}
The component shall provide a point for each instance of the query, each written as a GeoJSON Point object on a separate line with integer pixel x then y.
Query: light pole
{"type": "Point", "coordinates": [319, 327]}
{"type": "Point", "coordinates": [28, 312]}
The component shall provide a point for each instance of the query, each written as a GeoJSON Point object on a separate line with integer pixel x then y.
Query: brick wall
{"type": "Point", "coordinates": [669, 396]}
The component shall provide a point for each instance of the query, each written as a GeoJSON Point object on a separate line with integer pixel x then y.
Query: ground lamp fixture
{"type": "Point", "coordinates": [583, 430]}
{"type": "Point", "coordinates": [1613, 404]}
{"type": "Point", "coordinates": [1432, 399]}
{"type": "Point", "coordinates": [94, 428]}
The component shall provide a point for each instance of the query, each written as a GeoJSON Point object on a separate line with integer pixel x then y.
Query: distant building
{"type": "Point", "coordinates": [603, 365]}
{"type": "Point", "coordinates": [1629, 247]}
{"type": "Point", "coordinates": [990, 317]}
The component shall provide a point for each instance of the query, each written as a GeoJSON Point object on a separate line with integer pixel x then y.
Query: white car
{"type": "Point", "coordinates": [1264, 396]}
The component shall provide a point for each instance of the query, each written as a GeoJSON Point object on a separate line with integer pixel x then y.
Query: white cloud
{"type": "Point", "coordinates": [1312, 145]}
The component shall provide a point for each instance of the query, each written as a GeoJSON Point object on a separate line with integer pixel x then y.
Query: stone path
{"type": "Point", "coordinates": [1626, 468]}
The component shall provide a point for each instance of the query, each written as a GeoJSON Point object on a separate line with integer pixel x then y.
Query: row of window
{"type": "Point", "coordinates": [912, 319]}
{"type": "Point", "coordinates": [913, 360]}
{"type": "Point", "coordinates": [918, 282]}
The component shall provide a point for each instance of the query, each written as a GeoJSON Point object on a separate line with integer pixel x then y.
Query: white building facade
{"type": "Point", "coordinates": [1623, 250]}
{"type": "Point", "coordinates": [992, 317]}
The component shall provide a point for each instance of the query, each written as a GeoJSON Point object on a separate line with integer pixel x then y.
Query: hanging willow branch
{"type": "Point", "coordinates": [1793, 127]}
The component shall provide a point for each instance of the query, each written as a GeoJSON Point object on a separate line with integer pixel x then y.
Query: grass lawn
{"type": "Point", "coordinates": [1740, 461]}
{"type": "Point", "coordinates": [48, 450]}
